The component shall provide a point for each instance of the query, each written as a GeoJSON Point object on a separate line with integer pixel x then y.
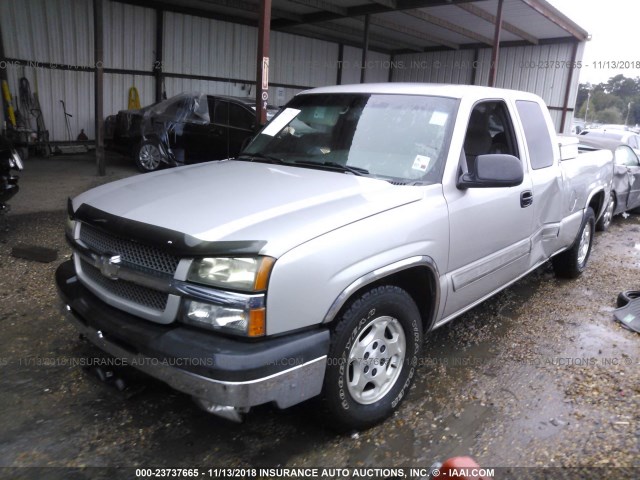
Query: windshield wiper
{"type": "Point", "coordinates": [261, 157]}
{"type": "Point", "coordinates": [335, 166]}
{"type": "Point", "coordinates": [347, 168]}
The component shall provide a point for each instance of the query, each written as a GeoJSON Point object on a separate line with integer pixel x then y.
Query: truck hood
{"type": "Point", "coordinates": [279, 206]}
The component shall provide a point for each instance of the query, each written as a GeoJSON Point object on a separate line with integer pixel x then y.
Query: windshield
{"type": "Point", "coordinates": [399, 138]}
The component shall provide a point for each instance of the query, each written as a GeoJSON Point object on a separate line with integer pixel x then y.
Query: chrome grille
{"type": "Point", "coordinates": [126, 290]}
{"type": "Point", "coordinates": [131, 252]}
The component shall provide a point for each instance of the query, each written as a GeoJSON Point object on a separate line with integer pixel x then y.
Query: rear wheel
{"type": "Point", "coordinates": [571, 263]}
{"type": "Point", "coordinates": [372, 359]}
{"type": "Point", "coordinates": [148, 156]}
{"type": "Point", "coordinates": [605, 221]}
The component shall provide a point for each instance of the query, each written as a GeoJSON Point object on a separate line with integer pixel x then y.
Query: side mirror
{"type": "Point", "coordinates": [493, 170]}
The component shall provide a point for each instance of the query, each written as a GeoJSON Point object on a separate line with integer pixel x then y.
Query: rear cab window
{"type": "Point", "coordinates": [536, 134]}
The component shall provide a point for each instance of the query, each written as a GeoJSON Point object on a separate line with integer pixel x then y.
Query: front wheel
{"type": "Point", "coordinates": [372, 359]}
{"type": "Point", "coordinates": [571, 263]}
{"type": "Point", "coordinates": [605, 221]}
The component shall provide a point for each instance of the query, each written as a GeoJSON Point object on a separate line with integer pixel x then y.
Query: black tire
{"type": "Point", "coordinates": [626, 296]}
{"type": "Point", "coordinates": [572, 262]}
{"type": "Point", "coordinates": [148, 156]}
{"type": "Point", "coordinates": [604, 222]}
{"type": "Point", "coordinates": [365, 331]}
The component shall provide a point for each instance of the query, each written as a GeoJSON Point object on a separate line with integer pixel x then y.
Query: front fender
{"type": "Point", "coordinates": [310, 283]}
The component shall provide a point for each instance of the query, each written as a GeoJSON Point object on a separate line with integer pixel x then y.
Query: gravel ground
{"type": "Point", "coordinates": [540, 375]}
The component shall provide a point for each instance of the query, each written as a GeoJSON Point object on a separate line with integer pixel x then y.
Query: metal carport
{"type": "Point", "coordinates": [212, 45]}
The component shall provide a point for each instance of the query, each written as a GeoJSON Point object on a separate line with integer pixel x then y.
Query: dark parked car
{"type": "Point", "coordinates": [625, 192]}
{"type": "Point", "coordinates": [187, 128]}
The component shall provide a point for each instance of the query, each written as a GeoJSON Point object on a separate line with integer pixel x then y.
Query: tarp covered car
{"type": "Point", "coordinates": [186, 128]}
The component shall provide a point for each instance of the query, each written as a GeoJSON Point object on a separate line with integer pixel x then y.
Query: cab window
{"type": "Point", "coordinates": [536, 134]}
{"type": "Point", "coordinates": [490, 130]}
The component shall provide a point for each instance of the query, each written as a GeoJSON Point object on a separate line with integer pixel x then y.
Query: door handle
{"type": "Point", "coordinates": [526, 198]}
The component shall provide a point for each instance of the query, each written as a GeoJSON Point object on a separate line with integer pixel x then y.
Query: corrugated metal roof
{"type": "Point", "coordinates": [535, 19]}
{"type": "Point", "coordinates": [200, 43]}
{"type": "Point", "coordinates": [458, 16]}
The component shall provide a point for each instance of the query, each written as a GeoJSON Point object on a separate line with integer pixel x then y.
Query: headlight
{"type": "Point", "coordinates": [249, 274]}
{"type": "Point", "coordinates": [15, 161]}
{"type": "Point", "coordinates": [243, 321]}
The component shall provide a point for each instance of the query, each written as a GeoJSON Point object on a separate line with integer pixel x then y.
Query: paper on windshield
{"type": "Point", "coordinates": [439, 118]}
{"type": "Point", "coordinates": [421, 162]}
{"type": "Point", "coordinates": [280, 121]}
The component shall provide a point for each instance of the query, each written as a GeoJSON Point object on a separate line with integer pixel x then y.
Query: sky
{"type": "Point", "coordinates": [613, 26]}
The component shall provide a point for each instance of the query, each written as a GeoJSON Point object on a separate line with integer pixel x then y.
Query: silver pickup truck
{"type": "Point", "coordinates": [358, 220]}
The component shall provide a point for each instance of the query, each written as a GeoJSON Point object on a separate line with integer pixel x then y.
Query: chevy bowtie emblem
{"type": "Point", "coordinates": [110, 266]}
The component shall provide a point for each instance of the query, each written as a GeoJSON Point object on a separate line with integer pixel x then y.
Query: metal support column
{"type": "Point", "coordinates": [340, 62]}
{"type": "Point", "coordinates": [157, 66]}
{"type": "Point", "coordinates": [475, 66]}
{"type": "Point", "coordinates": [99, 84]}
{"type": "Point", "coordinates": [365, 50]}
{"type": "Point", "coordinates": [262, 72]}
{"type": "Point", "coordinates": [496, 46]}
{"type": "Point", "coordinates": [567, 92]}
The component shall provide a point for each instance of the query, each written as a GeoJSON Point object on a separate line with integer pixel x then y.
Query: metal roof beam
{"type": "Point", "coordinates": [361, 10]}
{"type": "Point", "coordinates": [390, 4]}
{"type": "Point", "coordinates": [396, 27]}
{"type": "Point", "coordinates": [321, 5]}
{"type": "Point", "coordinates": [448, 25]}
{"type": "Point", "coordinates": [350, 32]}
{"type": "Point", "coordinates": [479, 12]}
{"type": "Point", "coordinates": [252, 7]}
{"type": "Point", "coordinates": [314, 32]}
{"type": "Point", "coordinates": [554, 15]}
{"type": "Point", "coordinates": [504, 44]}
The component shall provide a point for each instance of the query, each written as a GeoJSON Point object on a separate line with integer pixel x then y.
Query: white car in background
{"type": "Point", "coordinates": [618, 133]}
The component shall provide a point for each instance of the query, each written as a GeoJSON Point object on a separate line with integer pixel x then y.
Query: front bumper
{"type": "Point", "coordinates": [217, 370]}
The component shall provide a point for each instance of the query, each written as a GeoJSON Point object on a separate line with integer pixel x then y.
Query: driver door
{"type": "Point", "coordinates": [490, 228]}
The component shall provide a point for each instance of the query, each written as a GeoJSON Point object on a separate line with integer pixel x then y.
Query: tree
{"type": "Point", "coordinates": [609, 115]}
{"type": "Point", "coordinates": [622, 87]}
{"type": "Point", "coordinates": [609, 102]}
